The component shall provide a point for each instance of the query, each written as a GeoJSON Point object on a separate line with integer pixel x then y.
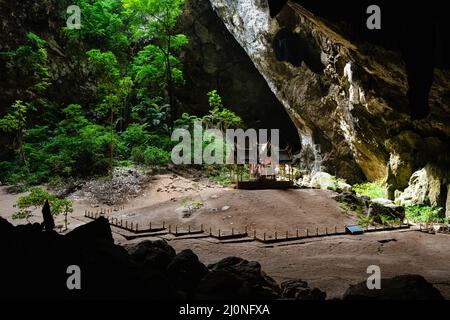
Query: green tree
{"type": "Point", "coordinates": [15, 122]}
{"type": "Point", "coordinates": [107, 71]}
{"type": "Point", "coordinates": [156, 20]}
{"type": "Point", "coordinates": [36, 199]}
{"type": "Point", "coordinates": [29, 62]}
{"type": "Point", "coordinates": [220, 117]}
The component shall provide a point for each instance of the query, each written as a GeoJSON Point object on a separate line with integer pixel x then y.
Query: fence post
{"type": "Point", "coordinates": [297, 233]}
{"type": "Point", "coordinates": [317, 231]}
{"type": "Point", "coordinates": [254, 234]}
{"type": "Point", "coordinates": [307, 233]}
{"type": "Point", "coordinates": [137, 227]}
{"type": "Point", "coordinates": [126, 224]}
{"type": "Point", "coordinates": [219, 233]}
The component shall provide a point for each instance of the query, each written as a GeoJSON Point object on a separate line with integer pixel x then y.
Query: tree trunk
{"type": "Point", "coordinates": [170, 91]}
{"type": "Point", "coordinates": [20, 146]}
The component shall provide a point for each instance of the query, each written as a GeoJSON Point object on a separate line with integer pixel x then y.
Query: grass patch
{"type": "Point", "coordinates": [221, 176]}
{"type": "Point", "coordinates": [373, 190]}
{"type": "Point", "coordinates": [425, 214]}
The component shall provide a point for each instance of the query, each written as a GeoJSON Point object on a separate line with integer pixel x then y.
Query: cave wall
{"type": "Point", "coordinates": [215, 60]}
{"type": "Point", "coordinates": [356, 105]}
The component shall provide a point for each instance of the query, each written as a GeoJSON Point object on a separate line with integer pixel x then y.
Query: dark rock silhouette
{"type": "Point", "coordinates": [299, 290]}
{"type": "Point", "coordinates": [405, 287]}
{"type": "Point", "coordinates": [152, 254]}
{"type": "Point", "coordinates": [35, 265]}
{"type": "Point", "coordinates": [185, 271]}
{"type": "Point", "coordinates": [49, 223]}
{"type": "Point", "coordinates": [236, 278]}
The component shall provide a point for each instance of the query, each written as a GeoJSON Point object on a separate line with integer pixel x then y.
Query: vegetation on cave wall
{"type": "Point", "coordinates": [127, 51]}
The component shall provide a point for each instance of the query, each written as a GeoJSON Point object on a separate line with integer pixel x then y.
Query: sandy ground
{"type": "Point", "coordinates": [330, 264]}
{"type": "Point", "coordinates": [266, 211]}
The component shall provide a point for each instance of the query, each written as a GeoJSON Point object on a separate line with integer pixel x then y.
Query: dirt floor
{"type": "Point", "coordinates": [330, 264]}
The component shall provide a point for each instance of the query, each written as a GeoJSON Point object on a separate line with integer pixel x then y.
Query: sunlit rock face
{"type": "Point", "coordinates": [350, 97]}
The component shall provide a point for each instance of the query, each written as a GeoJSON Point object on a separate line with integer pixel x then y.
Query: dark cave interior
{"type": "Point", "coordinates": [420, 33]}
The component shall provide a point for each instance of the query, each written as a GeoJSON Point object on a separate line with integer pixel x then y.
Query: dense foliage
{"type": "Point", "coordinates": [127, 50]}
{"type": "Point", "coordinates": [373, 190]}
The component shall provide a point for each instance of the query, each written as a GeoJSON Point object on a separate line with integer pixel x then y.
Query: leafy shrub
{"type": "Point", "coordinates": [154, 156]}
{"type": "Point", "coordinates": [150, 156]}
{"type": "Point", "coordinates": [425, 214]}
{"type": "Point", "coordinates": [373, 190]}
{"type": "Point", "coordinates": [221, 176]}
{"type": "Point", "coordinates": [137, 155]}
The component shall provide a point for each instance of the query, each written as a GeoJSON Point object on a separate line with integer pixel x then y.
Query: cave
{"type": "Point", "coordinates": [418, 32]}
{"type": "Point", "coordinates": [295, 49]}
{"type": "Point", "coordinates": [215, 60]}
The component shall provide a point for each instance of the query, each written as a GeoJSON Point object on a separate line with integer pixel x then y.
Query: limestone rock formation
{"type": "Point", "coordinates": [349, 96]}
{"type": "Point", "coordinates": [377, 210]}
{"type": "Point", "coordinates": [425, 187]}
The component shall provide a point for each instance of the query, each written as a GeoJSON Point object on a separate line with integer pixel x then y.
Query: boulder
{"type": "Point", "coordinates": [376, 210]}
{"type": "Point", "coordinates": [405, 287]}
{"type": "Point", "coordinates": [227, 285]}
{"type": "Point", "coordinates": [95, 230]}
{"type": "Point", "coordinates": [252, 280]}
{"type": "Point", "coordinates": [425, 186]}
{"type": "Point", "coordinates": [345, 187]}
{"type": "Point", "coordinates": [354, 202]}
{"type": "Point", "coordinates": [323, 180]}
{"type": "Point", "coordinates": [299, 290]}
{"type": "Point", "coordinates": [152, 254]}
{"type": "Point", "coordinates": [185, 271]}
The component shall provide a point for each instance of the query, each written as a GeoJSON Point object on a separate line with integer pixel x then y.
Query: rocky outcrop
{"type": "Point", "coordinates": [379, 210]}
{"type": "Point", "coordinates": [146, 270]}
{"type": "Point", "coordinates": [299, 290]}
{"type": "Point", "coordinates": [35, 265]}
{"type": "Point", "coordinates": [351, 97]}
{"type": "Point", "coordinates": [406, 287]}
{"type": "Point", "coordinates": [425, 187]}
